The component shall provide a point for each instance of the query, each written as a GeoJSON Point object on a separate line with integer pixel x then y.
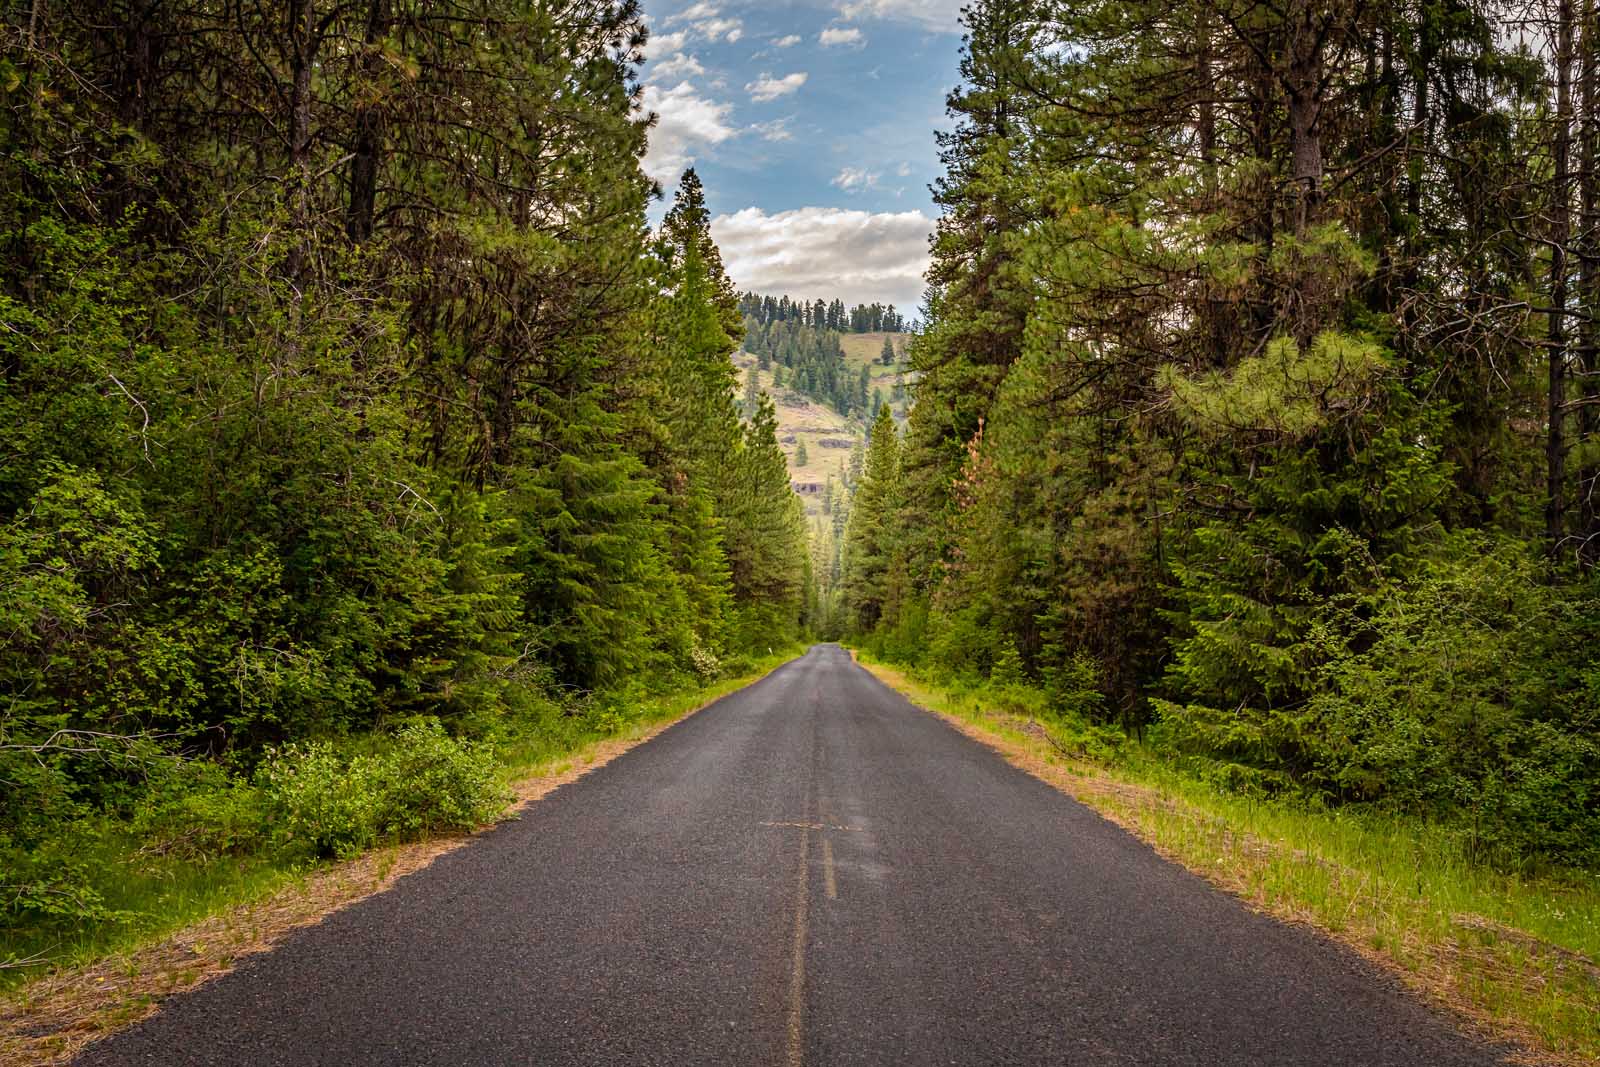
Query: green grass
{"type": "Point", "coordinates": [149, 897]}
{"type": "Point", "coordinates": [1515, 953]}
{"type": "Point", "coordinates": [152, 896]}
{"type": "Point", "coordinates": [863, 350]}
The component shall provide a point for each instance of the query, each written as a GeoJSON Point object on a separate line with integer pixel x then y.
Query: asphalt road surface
{"type": "Point", "coordinates": [811, 871]}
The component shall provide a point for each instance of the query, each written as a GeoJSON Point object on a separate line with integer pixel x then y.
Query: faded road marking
{"type": "Point", "coordinates": [814, 826]}
{"type": "Point", "coordinates": [829, 884]}
{"type": "Point", "coordinates": [797, 973]}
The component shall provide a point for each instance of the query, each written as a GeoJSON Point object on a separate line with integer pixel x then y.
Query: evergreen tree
{"type": "Point", "coordinates": [1185, 316]}
{"type": "Point", "coordinates": [345, 386]}
{"type": "Point", "coordinates": [688, 225]}
{"type": "Point", "coordinates": [871, 534]}
{"type": "Point", "coordinates": [752, 393]}
{"type": "Point", "coordinates": [766, 533]}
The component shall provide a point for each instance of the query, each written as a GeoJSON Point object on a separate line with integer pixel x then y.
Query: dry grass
{"type": "Point", "coordinates": [1502, 983]}
{"type": "Point", "coordinates": [51, 1019]}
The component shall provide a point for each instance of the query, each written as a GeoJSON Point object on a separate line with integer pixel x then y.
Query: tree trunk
{"type": "Point", "coordinates": [302, 37]}
{"type": "Point", "coordinates": [1588, 283]}
{"type": "Point", "coordinates": [1560, 235]}
{"type": "Point", "coordinates": [1303, 83]}
{"type": "Point", "coordinates": [368, 128]}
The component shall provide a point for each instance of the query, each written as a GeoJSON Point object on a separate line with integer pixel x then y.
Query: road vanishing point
{"type": "Point", "coordinates": [809, 871]}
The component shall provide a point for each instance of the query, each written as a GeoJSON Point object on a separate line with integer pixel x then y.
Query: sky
{"type": "Point", "coordinates": [811, 124]}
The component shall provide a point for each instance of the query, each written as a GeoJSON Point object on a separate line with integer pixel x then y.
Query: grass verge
{"type": "Point", "coordinates": [1513, 957]}
{"type": "Point", "coordinates": [198, 921]}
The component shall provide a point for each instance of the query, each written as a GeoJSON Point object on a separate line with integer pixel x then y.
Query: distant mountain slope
{"type": "Point", "coordinates": [827, 434]}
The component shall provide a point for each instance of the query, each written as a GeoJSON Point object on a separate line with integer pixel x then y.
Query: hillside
{"type": "Point", "coordinates": [827, 435]}
{"type": "Point", "coordinates": [863, 349]}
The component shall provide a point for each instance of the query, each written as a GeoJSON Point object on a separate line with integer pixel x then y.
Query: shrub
{"type": "Point", "coordinates": [218, 816]}
{"type": "Point", "coordinates": [47, 888]}
{"type": "Point", "coordinates": [321, 803]}
{"type": "Point", "coordinates": [705, 663]}
{"type": "Point", "coordinates": [328, 803]}
{"type": "Point", "coordinates": [429, 781]}
{"type": "Point", "coordinates": [1074, 688]}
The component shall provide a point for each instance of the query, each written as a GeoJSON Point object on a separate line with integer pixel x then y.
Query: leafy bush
{"type": "Point", "coordinates": [48, 888]}
{"type": "Point", "coordinates": [961, 646]}
{"type": "Point", "coordinates": [705, 664]}
{"type": "Point", "coordinates": [206, 813]}
{"type": "Point", "coordinates": [328, 803]}
{"type": "Point", "coordinates": [321, 802]}
{"type": "Point", "coordinates": [428, 781]}
{"type": "Point", "coordinates": [1458, 690]}
{"type": "Point", "coordinates": [1074, 688]}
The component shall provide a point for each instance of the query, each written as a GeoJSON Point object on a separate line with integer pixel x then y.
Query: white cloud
{"type": "Point", "coordinates": [837, 35]}
{"type": "Point", "coordinates": [767, 87]}
{"type": "Point", "coordinates": [664, 44]}
{"type": "Point", "coordinates": [941, 15]}
{"type": "Point", "coordinates": [676, 66]}
{"type": "Point", "coordinates": [788, 41]}
{"type": "Point", "coordinates": [708, 21]}
{"type": "Point", "coordinates": [775, 130]}
{"type": "Point", "coordinates": [827, 252]}
{"type": "Point", "coordinates": [687, 122]}
{"type": "Point", "coordinates": [854, 179]}
{"type": "Point", "coordinates": [904, 170]}
{"type": "Point", "coordinates": [693, 12]}
{"type": "Point", "coordinates": [729, 30]}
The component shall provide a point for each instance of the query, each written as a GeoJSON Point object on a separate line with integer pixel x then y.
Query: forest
{"type": "Point", "coordinates": [1256, 403]}
{"type": "Point", "coordinates": [799, 343]}
{"type": "Point", "coordinates": [355, 425]}
{"type": "Point", "coordinates": [360, 428]}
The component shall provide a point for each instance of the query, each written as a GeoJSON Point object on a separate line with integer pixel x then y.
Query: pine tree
{"type": "Point", "coordinates": [765, 532]}
{"type": "Point", "coordinates": [752, 393]}
{"type": "Point", "coordinates": [870, 538]}
{"type": "Point", "coordinates": [688, 225]}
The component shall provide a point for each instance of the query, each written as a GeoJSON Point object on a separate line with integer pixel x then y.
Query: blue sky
{"type": "Point", "coordinates": [811, 125]}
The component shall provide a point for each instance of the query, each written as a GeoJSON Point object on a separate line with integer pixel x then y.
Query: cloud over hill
{"type": "Point", "coordinates": [828, 252]}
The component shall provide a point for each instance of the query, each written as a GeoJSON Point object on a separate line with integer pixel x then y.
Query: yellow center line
{"type": "Point", "coordinates": [797, 973]}
{"type": "Point", "coordinates": [829, 883]}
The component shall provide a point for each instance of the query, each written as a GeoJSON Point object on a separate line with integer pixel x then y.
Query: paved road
{"type": "Point", "coordinates": [810, 871]}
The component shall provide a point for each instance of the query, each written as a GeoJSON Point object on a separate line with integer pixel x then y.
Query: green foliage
{"type": "Point", "coordinates": [209, 816]}
{"type": "Point", "coordinates": [1075, 688]}
{"type": "Point", "coordinates": [327, 802]}
{"type": "Point", "coordinates": [430, 782]}
{"type": "Point", "coordinates": [1464, 686]}
{"type": "Point", "coordinates": [1006, 670]}
{"type": "Point", "coordinates": [329, 407]}
{"type": "Point", "coordinates": [321, 803]}
{"type": "Point", "coordinates": [873, 579]}
{"type": "Point", "coordinates": [1225, 427]}
{"type": "Point", "coordinates": [1283, 391]}
{"type": "Point", "coordinates": [49, 890]}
